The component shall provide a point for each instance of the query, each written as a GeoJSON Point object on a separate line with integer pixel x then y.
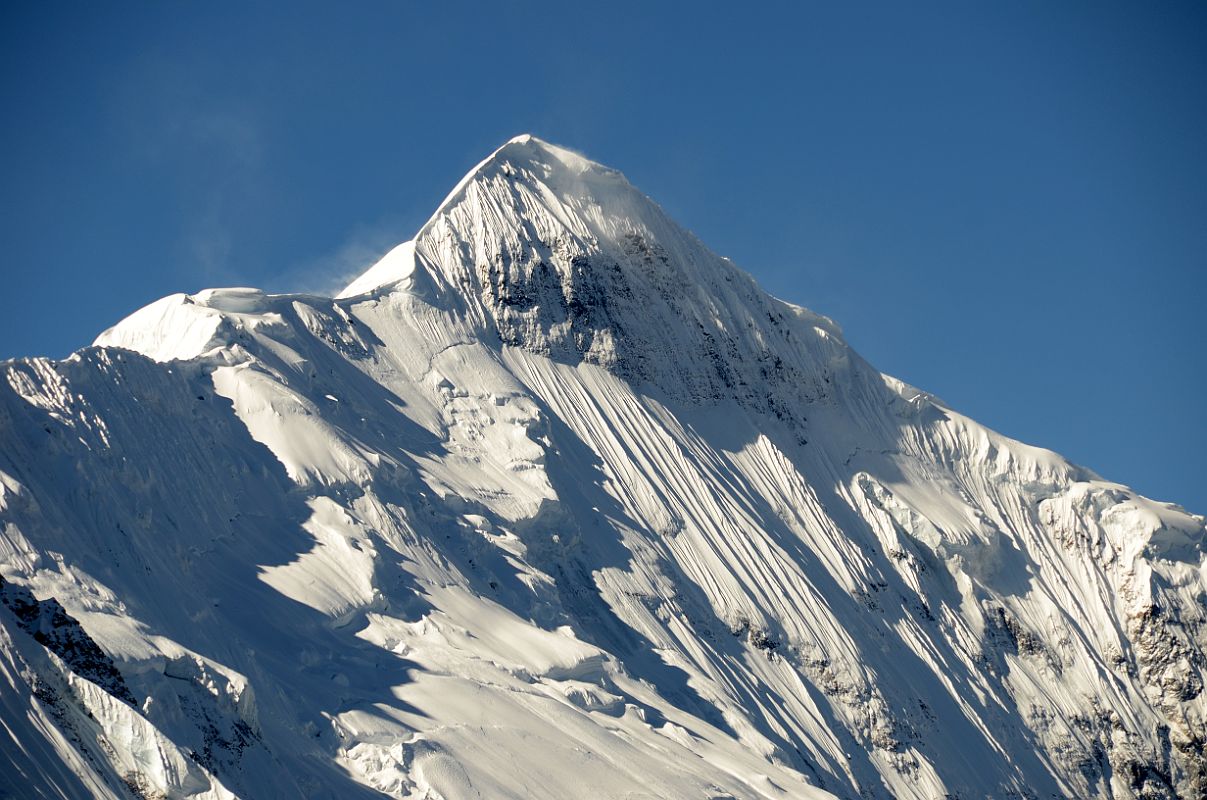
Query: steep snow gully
{"type": "Point", "coordinates": [554, 502]}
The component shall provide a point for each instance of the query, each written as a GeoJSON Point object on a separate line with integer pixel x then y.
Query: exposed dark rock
{"type": "Point", "coordinates": [57, 631]}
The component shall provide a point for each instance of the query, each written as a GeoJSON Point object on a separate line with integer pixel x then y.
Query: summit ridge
{"type": "Point", "coordinates": [562, 256]}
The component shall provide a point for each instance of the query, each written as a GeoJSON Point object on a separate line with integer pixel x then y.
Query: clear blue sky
{"type": "Point", "coordinates": [1005, 204]}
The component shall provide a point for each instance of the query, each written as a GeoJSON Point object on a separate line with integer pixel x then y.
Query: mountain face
{"type": "Point", "coordinates": [554, 502]}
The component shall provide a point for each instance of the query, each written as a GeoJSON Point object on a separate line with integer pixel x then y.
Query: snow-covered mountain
{"type": "Point", "coordinates": [554, 502]}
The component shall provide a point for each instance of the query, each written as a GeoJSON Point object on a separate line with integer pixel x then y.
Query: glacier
{"type": "Point", "coordinates": [555, 502]}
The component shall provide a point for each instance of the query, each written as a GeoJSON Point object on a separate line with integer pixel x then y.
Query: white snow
{"type": "Point", "coordinates": [396, 265]}
{"type": "Point", "coordinates": [554, 502]}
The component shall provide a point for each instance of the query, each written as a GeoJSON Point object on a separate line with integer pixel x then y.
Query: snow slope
{"type": "Point", "coordinates": [554, 502]}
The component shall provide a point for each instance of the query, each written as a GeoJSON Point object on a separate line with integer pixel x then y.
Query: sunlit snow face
{"type": "Point", "coordinates": [555, 497]}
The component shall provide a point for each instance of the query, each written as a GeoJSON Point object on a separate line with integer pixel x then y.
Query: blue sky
{"type": "Point", "coordinates": [1003, 204]}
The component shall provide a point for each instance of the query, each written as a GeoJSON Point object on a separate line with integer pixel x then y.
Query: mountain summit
{"type": "Point", "coordinates": [527, 195]}
{"type": "Point", "coordinates": [561, 256]}
{"type": "Point", "coordinates": [555, 502]}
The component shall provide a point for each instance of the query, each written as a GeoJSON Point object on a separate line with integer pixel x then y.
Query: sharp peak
{"type": "Point", "coordinates": [556, 175]}
{"type": "Point", "coordinates": [546, 162]}
{"type": "Point", "coordinates": [526, 146]}
{"type": "Point", "coordinates": [526, 138]}
{"type": "Point", "coordinates": [530, 188]}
